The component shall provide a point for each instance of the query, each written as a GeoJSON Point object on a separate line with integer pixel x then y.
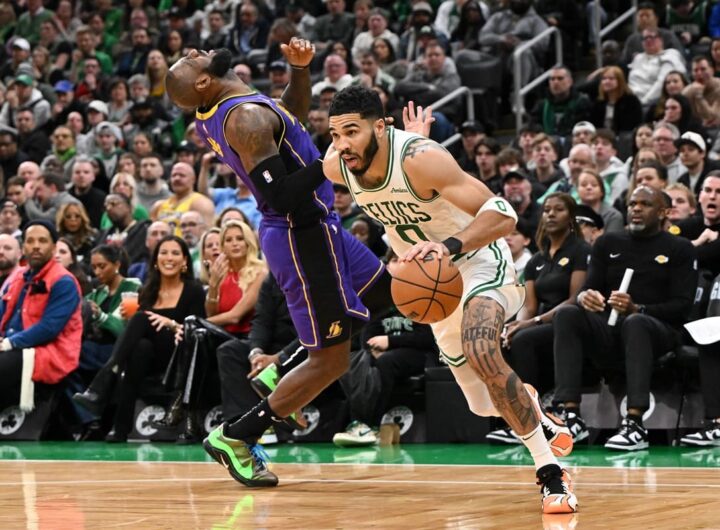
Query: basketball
{"type": "Point", "coordinates": [427, 290]}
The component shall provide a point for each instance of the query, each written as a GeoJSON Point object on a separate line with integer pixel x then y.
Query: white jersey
{"type": "Point", "coordinates": [409, 219]}
{"type": "Point", "coordinates": [487, 272]}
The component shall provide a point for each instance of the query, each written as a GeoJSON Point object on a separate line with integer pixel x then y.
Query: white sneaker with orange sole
{"type": "Point", "coordinates": [556, 432]}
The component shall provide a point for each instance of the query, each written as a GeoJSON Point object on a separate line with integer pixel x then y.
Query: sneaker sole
{"type": "Point", "coordinates": [618, 447]}
{"type": "Point", "coordinates": [502, 439]}
{"type": "Point", "coordinates": [566, 503]}
{"type": "Point", "coordinates": [700, 443]}
{"type": "Point", "coordinates": [218, 457]}
{"type": "Point", "coordinates": [562, 503]}
{"type": "Point", "coordinates": [561, 444]}
{"type": "Point", "coordinates": [344, 442]}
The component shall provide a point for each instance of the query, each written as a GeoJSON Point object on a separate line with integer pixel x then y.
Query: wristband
{"type": "Point", "coordinates": [300, 67]}
{"type": "Point", "coordinates": [453, 244]}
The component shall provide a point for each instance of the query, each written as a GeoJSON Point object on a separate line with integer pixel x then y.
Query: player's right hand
{"type": "Point", "coordinates": [422, 249]}
{"type": "Point", "coordinates": [298, 52]}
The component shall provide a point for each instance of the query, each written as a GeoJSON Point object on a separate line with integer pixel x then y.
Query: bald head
{"type": "Point", "coordinates": [9, 253]}
{"type": "Point", "coordinates": [196, 80]}
{"type": "Point", "coordinates": [647, 209]}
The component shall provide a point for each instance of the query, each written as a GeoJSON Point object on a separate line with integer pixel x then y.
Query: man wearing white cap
{"type": "Point", "coordinates": [692, 149]}
{"type": "Point", "coordinates": [20, 54]}
{"type": "Point", "coordinates": [97, 112]}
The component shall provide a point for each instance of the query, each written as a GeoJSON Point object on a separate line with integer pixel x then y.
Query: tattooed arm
{"type": "Point", "coordinates": [431, 170]}
{"type": "Point", "coordinates": [250, 131]}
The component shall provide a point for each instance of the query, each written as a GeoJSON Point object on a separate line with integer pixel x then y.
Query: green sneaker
{"type": "Point", "coordinates": [265, 384]}
{"type": "Point", "coordinates": [246, 463]}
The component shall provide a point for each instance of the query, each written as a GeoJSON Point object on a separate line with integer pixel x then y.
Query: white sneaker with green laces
{"type": "Point", "coordinates": [357, 434]}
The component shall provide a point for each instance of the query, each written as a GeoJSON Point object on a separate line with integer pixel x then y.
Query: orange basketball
{"type": "Point", "coordinates": [427, 290]}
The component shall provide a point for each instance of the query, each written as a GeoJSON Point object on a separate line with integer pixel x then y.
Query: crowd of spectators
{"type": "Point", "coordinates": [93, 152]}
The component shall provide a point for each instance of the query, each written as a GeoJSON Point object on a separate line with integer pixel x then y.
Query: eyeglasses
{"type": "Point", "coordinates": [662, 139]}
{"type": "Point", "coordinates": [62, 136]}
{"type": "Point", "coordinates": [191, 224]}
{"type": "Point", "coordinates": [650, 37]}
{"type": "Point", "coordinates": [558, 78]}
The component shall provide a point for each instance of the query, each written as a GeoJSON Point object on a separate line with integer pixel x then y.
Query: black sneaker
{"type": "Point", "coordinates": [630, 437]}
{"type": "Point", "coordinates": [707, 437]}
{"type": "Point", "coordinates": [505, 435]}
{"type": "Point", "coordinates": [577, 426]}
{"type": "Point", "coordinates": [557, 491]}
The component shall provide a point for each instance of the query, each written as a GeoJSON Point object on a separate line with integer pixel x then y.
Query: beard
{"type": "Point", "coordinates": [7, 264]}
{"type": "Point", "coordinates": [220, 63]}
{"type": "Point", "coordinates": [367, 157]}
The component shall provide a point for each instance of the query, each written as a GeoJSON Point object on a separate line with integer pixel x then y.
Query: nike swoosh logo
{"type": "Point", "coordinates": [614, 255]}
{"type": "Point", "coordinates": [539, 267]}
{"type": "Point", "coordinates": [357, 192]}
{"type": "Point", "coordinates": [364, 433]}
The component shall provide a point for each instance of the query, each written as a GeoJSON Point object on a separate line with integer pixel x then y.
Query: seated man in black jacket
{"type": "Point", "coordinates": [651, 313]}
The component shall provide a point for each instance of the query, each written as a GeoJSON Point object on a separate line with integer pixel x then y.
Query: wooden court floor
{"type": "Point", "coordinates": [79, 495]}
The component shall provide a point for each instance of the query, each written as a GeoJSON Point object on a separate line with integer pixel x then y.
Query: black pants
{"type": "Point", "coordinates": [393, 366]}
{"type": "Point", "coordinates": [630, 346]}
{"type": "Point", "coordinates": [140, 350]}
{"type": "Point", "coordinates": [529, 354]}
{"type": "Point", "coordinates": [710, 379]}
{"type": "Point", "coordinates": [11, 363]}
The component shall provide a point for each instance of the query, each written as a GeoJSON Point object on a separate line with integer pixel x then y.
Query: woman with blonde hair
{"type": "Point", "coordinates": [125, 184]}
{"type": "Point", "coordinates": [616, 107]}
{"type": "Point", "coordinates": [235, 279]}
{"type": "Point", "coordinates": [73, 224]}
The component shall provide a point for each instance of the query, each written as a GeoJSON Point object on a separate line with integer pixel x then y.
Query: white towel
{"type": "Point", "coordinates": [27, 387]}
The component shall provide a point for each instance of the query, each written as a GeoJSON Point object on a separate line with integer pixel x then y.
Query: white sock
{"type": "Point", "coordinates": [539, 448]}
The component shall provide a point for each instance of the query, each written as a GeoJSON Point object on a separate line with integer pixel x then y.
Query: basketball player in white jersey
{"type": "Point", "coordinates": [427, 203]}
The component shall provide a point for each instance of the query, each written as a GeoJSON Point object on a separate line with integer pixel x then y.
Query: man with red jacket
{"type": "Point", "coordinates": [40, 320]}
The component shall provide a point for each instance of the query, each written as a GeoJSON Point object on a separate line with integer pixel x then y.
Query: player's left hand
{"type": "Point", "coordinates": [299, 52]}
{"type": "Point", "coordinates": [622, 303]}
{"type": "Point", "coordinates": [415, 122]}
{"type": "Point", "coordinates": [422, 249]}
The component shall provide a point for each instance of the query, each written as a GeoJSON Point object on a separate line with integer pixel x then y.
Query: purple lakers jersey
{"type": "Point", "coordinates": [294, 145]}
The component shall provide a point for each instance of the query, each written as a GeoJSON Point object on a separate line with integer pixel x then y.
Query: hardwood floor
{"type": "Point", "coordinates": [62, 495]}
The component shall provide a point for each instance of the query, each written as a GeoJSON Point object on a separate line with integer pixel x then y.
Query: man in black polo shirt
{"type": "Point", "coordinates": [703, 230]}
{"type": "Point", "coordinates": [651, 312]}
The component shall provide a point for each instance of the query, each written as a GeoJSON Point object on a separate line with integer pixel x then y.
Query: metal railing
{"type": "Point", "coordinates": [520, 90]}
{"type": "Point", "coordinates": [452, 96]}
{"type": "Point", "coordinates": [610, 27]}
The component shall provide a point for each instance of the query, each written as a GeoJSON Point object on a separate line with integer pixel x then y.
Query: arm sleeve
{"type": "Point", "coordinates": [62, 303]}
{"type": "Point", "coordinates": [281, 189]}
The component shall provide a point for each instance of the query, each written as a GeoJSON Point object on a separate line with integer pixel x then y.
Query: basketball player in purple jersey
{"type": "Point", "coordinates": [322, 269]}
